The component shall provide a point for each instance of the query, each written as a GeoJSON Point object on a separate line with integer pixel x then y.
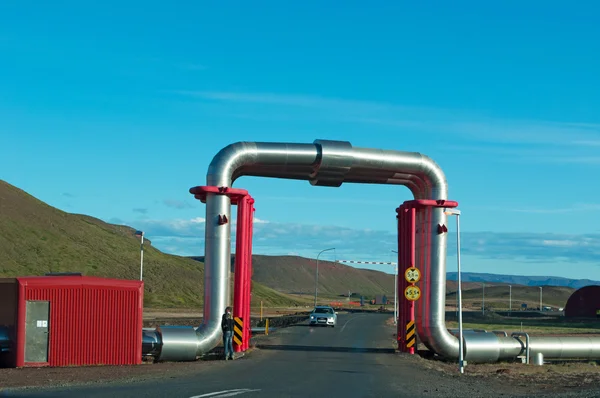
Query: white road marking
{"type": "Point", "coordinates": [348, 321]}
{"type": "Point", "coordinates": [225, 393]}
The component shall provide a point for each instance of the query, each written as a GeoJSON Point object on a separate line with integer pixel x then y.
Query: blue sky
{"type": "Point", "coordinates": [116, 109]}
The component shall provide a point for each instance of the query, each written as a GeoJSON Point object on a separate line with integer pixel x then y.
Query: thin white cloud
{"type": "Point", "coordinates": [476, 127]}
{"type": "Point", "coordinates": [294, 100]}
{"type": "Point", "coordinates": [177, 204]}
{"type": "Point", "coordinates": [588, 143]}
{"type": "Point", "coordinates": [560, 243]}
{"type": "Point", "coordinates": [580, 207]}
{"type": "Point", "coordinates": [559, 152]}
{"type": "Point", "coordinates": [316, 199]}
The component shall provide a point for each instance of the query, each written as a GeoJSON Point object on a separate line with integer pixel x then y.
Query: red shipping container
{"type": "Point", "coordinates": [72, 320]}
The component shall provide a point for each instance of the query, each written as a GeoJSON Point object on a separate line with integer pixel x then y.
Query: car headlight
{"type": "Point", "coordinates": [330, 319]}
{"type": "Point", "coordinates": [312, 317]}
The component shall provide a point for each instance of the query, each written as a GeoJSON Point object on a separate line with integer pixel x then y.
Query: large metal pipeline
{"type": "Point", "coordinates": [331, 163]}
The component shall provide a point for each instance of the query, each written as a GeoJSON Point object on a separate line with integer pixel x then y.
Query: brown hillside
{"type": "Point", "coordinates": [292, 274]}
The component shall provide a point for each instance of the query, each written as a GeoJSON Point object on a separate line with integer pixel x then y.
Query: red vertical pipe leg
{"type": "Point", "coordinates": [402, 280]}
{"type": "Point", "coordinates": [411, 227]}
{"type": "Point", "coordinates": [405, 256]}
{"type": "Point", "coordinates": [249, 251]}
{"type": "Point", "coordinates": [401, 314]}
{"type": "Point", "coordinates": [247, 270]}
{"type": "Point", "coordinates": [428, 231]}
{"type": "Point", "coordinates": [244, 284]}
{"type": "Point", "coordinates": [405, 265]}
{"type": "Point", "coordinates": [238, 291]}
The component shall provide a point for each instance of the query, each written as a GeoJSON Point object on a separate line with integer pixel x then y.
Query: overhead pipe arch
{"type": "Point", "coordinates": [322, 163]}
{"type": "Point", "coordinates": [331, 163]}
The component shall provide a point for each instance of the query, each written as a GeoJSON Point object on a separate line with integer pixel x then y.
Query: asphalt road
{"type": "Point", "coordinates": [348, 360]}
{"type": "Point", "coordinates": [355, 359]}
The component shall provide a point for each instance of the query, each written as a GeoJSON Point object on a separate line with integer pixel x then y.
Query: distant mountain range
{"type": "Point", "coordinates": [523, 280]}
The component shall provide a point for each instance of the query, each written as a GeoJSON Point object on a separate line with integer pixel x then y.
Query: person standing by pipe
{"type": "Point", "coordinates": [227, 327]}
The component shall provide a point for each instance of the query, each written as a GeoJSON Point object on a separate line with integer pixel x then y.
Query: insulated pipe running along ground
{"type": "Point", "coordinates": [331, 163]}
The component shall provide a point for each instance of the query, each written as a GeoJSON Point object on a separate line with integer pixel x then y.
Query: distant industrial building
{"type": "Point", "coordinates": [584, 303]}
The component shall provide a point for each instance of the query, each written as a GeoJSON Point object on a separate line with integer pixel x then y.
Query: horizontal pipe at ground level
{"type": "Point", "coordinates": [151, 342]}
{"type": "Point", "coordinates": [572, 347]}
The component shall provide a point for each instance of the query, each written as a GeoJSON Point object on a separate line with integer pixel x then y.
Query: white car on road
{"type": "Point", "coordinates": [323, 315]}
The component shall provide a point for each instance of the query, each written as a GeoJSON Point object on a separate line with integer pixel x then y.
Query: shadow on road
{"type": "Point", "coordinates": [348, 371]}
{"type": "Point", "coordinates": [308, 348]}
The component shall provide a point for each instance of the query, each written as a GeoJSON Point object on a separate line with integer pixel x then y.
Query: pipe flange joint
{"type": "Point", "coordinates": [335, 161]}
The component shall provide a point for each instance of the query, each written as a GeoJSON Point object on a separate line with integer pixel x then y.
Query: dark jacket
{"type": "Point", "coordinates": [227, 323]}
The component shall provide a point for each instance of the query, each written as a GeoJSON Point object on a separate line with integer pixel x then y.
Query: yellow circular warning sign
{"type": "Point", "coordinates": [412, 275]}
{"type": "Point", "coordinates": [412, 293]}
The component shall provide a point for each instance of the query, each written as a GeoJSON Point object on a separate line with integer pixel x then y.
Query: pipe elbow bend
{"type": "Point", "coordinates": [227, 161]}
{"type": "Point", "coordinates": [434, 178]}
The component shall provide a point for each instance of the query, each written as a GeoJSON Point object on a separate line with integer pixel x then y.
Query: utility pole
{"type": "Point", "coordinates": [396, 306]}
{"type": "Point", "coordinates": [509, 299]}
{"type": "Point", "coordinates": [483, 299]}
{"type": "Point", "coordinates": [461, 362]}
{"type": "Point", "coordinates": [141, 234]}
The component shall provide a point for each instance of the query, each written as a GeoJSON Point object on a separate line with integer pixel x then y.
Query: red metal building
{"type": "Point", "coordinates": [584, 302]}
{"type": "Point", "coordinates": [72, 320]}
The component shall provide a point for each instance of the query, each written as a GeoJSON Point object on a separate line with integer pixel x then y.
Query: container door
{"type": "Point", "coordinates": [36, 331]}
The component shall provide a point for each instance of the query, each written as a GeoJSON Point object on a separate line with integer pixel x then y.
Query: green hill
{"type": "Point", "coordinates": [36, 239]}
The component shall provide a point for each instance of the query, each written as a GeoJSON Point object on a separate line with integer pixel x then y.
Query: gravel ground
{"type": "Point", "coordinates": [40, 377]}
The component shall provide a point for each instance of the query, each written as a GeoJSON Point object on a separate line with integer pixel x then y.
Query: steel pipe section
{"type": "Point", "coordinates": [580, 347]}
{"type": "Point", "coordinates": [331, 163]}
{"type": "Point", "coordinates": [151, 343]}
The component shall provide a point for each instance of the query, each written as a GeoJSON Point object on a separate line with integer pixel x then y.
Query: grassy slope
{"type": "Point", "coordinates": [36, 239]}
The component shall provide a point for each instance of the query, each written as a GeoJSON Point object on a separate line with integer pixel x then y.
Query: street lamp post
{"type": "Point", "coordinates": [396, 308]}
{"type": "Point", "coordinates": [141, 235]}
{"type": "Point", "coordinates": [317, 273]}
{"type": "Point", "coordinates": [541, 308]}
{"type": "Point", "coordinates": [509, 299]}
{"type": "Point", "coordinates": [483, 298]}
{"type": "Point", "coordinates": [461, 359]}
